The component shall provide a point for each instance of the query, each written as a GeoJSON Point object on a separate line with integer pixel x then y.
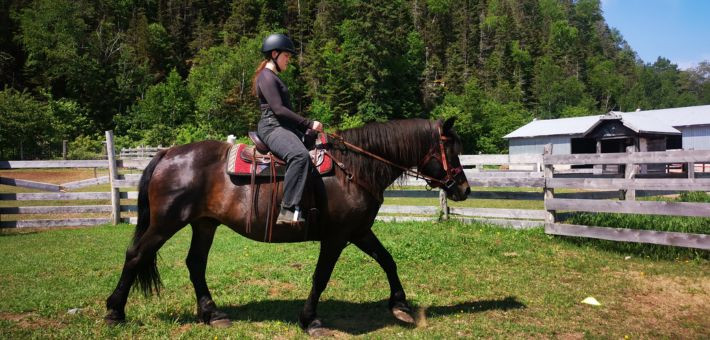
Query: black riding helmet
{"type": "Point", "coordinates": [277, 42]}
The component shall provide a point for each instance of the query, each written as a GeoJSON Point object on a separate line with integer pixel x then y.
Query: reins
{"type": "Point", "coordinates": [407, 171]}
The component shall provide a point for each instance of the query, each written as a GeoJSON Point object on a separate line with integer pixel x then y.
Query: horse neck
{"type": "Point", "coordinates": [404, 143]}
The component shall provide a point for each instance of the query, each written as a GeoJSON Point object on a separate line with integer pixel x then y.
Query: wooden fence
{"type": "Point", "coordinates": [140, 152]}
{"type": "Point", "coordinates": [478, 171]}
{"type": "Point", "coordinates": [593, 190]}
{"type": "Point", "coordinates": [628, 187]}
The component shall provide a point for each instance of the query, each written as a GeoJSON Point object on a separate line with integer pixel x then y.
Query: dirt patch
{"type": "Point", "coordinates": [30, 320]}
{"type": "Point", "coordinates": [275, 288]}
{"type": "Point", "coordinates": [180, 330]}
{"type": "Point", "coordinates": [571, 336]}
{"type": "Point", "coordinates": [665, 306]}
{"type": "Point", "coordinates": [54, 176]}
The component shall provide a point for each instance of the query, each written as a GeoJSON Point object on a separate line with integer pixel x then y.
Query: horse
{"type": "Point", "coordinates": [188, 184]}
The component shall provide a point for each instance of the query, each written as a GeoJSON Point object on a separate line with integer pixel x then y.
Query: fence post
{"type": "Point", "coordinates": [64, 149]}
{"type": "Point", "coordinates": [113, 176]}
{"type": "Point", "coordinates": [691, 170]}
{"type": "Point", "coordinates": [549, 192]}
{"type": "Point", "coordinates": [443, 203]}
{"type": "Point", "coordinates": [630, 170]}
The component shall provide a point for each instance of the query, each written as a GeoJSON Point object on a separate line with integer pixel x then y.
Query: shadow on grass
{"type": "Point", "coordinates": [348, 317]}
{"type": "Point", "coordinates": [14, 232]}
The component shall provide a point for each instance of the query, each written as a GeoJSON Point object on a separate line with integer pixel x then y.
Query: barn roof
{"type": "Point", "coordinates": [661, 121]}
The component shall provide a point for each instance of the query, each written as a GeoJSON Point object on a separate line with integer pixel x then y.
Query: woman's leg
{"type": "Point", "coordinates": [287, 146]}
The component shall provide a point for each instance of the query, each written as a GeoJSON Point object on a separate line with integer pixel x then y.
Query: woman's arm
{"type": "Point", "coordinates": [269, 89]}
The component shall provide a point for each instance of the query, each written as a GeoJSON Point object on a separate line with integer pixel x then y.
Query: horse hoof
{"type": "Point", "coordinates": [221, 323]}
{"type": "Point", "coordinates": [317, 332]}
{"type": "Point", "coordinates": [403, 315]}
{"type": "Point", "coordinates": [316, 329]}
{"type": "Point", "coordinates": [114, 322]}
{"type": "Point", "coordinates": [114, 318]}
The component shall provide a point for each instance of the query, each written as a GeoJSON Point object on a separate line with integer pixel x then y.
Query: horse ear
{"type": "Point", "coordinates": [449, 123]}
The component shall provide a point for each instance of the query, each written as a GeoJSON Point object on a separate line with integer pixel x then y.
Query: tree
{"type": "Point", "coordinates": [220, 84]}
{"type": "Point", "coordinates": [155, 119]}
{"type": "Point", "coordinates": [23, 126]}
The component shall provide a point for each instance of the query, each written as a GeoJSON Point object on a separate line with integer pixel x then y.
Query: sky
{"type": "Point", "coordinates": [678, 30]}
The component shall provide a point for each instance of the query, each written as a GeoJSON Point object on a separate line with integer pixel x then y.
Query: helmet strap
{"type": "Point", "coordinates": [276, 62]}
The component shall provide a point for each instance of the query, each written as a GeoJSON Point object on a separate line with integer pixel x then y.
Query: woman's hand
{"type": "Point", "coordinates": [318, 126]}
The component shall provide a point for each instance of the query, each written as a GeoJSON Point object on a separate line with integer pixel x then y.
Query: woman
{"type": "Point", "coordinates": [280, 128]}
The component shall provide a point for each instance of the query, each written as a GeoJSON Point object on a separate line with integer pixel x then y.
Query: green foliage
{"type": "Point", "coordinates": [154, 120]}
{"type": "Point", "coordinates": [114, 64]}
{"type": "Point", "coordinates": [467, 107]}
{"type": "Point", "coordinates": [220, 84]}
{"type": "Point", "coordinates": [477, 114]}
{"type": "Point", "coordinates": [694, 196]}
{"type": "Point", "coordinates": [87, 147]}
{"type": "Point", "coordinates": [23, 125]}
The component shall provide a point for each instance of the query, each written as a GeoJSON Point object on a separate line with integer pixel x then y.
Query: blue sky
{"type": "Point", "coordinates": [678, 30]}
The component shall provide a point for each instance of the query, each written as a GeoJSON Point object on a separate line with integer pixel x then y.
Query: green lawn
{"type": "Point", "coordinates": [464, 281]}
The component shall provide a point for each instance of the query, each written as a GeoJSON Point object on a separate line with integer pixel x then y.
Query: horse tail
{"type": "Point", "coordinates": [147, 268]}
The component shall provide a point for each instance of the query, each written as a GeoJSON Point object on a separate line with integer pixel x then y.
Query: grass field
{"type": "Point", "coordinates": [463, 280]}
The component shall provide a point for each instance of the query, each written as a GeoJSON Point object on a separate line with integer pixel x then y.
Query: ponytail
{"type": "Point", "coordinates": [261, 66]}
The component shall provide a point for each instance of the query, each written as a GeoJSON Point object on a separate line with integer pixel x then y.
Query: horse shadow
{"type": "Point", "coordinates": [348, 317]}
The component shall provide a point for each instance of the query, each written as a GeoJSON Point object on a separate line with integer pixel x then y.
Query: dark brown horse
{"type": "Point", "coordinates": [188, 185]}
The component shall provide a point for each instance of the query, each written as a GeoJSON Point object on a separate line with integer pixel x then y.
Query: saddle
{"type": "Point", "coordinates": [257, 161]}
{"type": "Point", "coordinates": [245, 160]}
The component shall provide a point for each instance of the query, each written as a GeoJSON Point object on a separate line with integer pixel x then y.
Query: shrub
{"type": "Point", "coordinates": [86, 147]}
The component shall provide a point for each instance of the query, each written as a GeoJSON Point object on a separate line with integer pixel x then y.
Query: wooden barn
{"type": "Point", "coordinates": [685, 128]}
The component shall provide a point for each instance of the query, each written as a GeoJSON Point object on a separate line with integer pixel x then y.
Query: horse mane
{"type": "Point", "coordinates": [403, 142]}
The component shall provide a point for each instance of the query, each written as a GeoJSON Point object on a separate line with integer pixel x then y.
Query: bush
{"type": "Point", "coordinates": [86, 147]}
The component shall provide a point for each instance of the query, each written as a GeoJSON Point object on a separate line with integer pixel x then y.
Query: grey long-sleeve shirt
{"type": "Point", "coordinates": [273, 94]}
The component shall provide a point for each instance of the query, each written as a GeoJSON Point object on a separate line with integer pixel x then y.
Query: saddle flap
{"type": "Point", "coordinates": [252, 154]}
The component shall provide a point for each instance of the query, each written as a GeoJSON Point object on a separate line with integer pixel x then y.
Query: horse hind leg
{"type": "Point", "coordinates": [140, 263]}
{"type": "Point", "coordinates": [202, 235]}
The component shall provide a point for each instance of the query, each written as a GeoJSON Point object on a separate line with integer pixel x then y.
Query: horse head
{"type": "Point", "coordinates": [442, 163]}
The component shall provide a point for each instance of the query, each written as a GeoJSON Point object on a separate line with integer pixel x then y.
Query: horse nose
{"type": "Point", "coordinates": [468, 191]}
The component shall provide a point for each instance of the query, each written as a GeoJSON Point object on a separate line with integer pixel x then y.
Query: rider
{"type": "Point", "coordinates": [279, 127]}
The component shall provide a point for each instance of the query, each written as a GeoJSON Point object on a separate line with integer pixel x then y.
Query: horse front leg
{"type": "Point", "coordinates": [398, 300]}
{"type": "Point", "coordinates": [329, 253]}
{"type": "Point", "coordinates": [202, 235]}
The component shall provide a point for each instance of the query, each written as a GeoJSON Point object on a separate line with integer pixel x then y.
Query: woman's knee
{"type": "Point", "coordinates": [301, 156]}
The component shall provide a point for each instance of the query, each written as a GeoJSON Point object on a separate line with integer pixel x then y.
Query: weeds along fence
{"type": "Point", "coordinates": [633, 177]}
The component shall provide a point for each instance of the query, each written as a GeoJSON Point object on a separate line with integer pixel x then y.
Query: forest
{"type": "Point", "coordinates": [164, 72]}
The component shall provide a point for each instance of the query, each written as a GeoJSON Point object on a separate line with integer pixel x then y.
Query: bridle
{"type": "Point", "coordinates": [438, 153]}
{"type": "Point", "coordinates": [451, 173]}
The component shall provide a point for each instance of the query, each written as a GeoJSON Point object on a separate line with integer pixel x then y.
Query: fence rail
{"type": "Point", "coordinates": [598, 193]}
{"type": "Point", "coordinates": [479, 169]}
{"type": "Point", "coordinates": [140, 152]}
{"type": "Point", "coordinates": [628, 185]}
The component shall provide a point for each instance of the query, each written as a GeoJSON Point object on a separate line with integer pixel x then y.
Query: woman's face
{"type": "Point", "coordinates": [283, 59]}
